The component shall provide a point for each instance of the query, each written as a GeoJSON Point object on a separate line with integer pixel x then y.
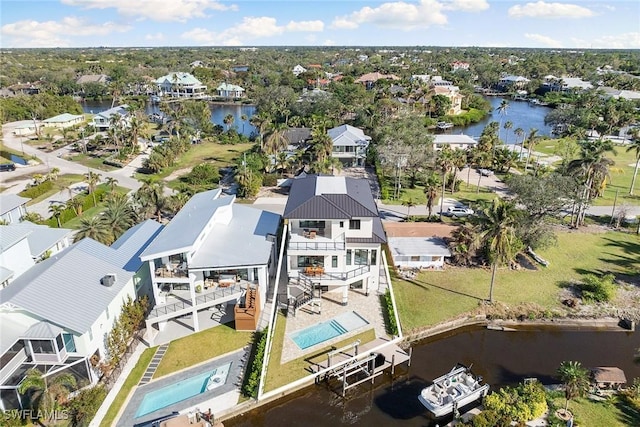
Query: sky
{"type": "Point", "coordinates": [577, 24]}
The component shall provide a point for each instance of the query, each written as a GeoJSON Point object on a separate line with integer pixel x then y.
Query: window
{"type": "Point", "coordinates": [59, 342]}
{"type": "Point", "coordinates": [360, 257]}
{"type": "Point", "coordinates": [354, 224]}
{"type": "Point", "coordinates": [312, 224]}
{"type": "Point", "coordinates": [341, 224]}
{"type": "Point", "coordinates": [374, 256]}
{"type": "Point", "coordinates": [415, 257]}
{"type": "Point", "coordinates": [334, 261]}
{"type": "Point", "coordinates": [42, 346]}
{"type": "Point", "coordinates": [310, 261]}
{"type": "Point", "coordinates": [69, 343]}
{"type": "Point", "coordinates": [348, 261]}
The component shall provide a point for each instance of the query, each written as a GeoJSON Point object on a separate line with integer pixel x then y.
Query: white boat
{"type": "Point", "coordinates": [444, 125]}
{"type": "Point", "coordinates": [452, 391]}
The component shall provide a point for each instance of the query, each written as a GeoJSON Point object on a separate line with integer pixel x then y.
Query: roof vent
{"type": "Point", "coordinates": [108, 280]}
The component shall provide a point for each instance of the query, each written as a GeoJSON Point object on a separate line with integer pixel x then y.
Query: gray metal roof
{"type": "Point", "coordinates": [330, 197]}
{"type": "Point", "coordinates": [5, 274]}
{"type": "Point", "coordinates": [183, 230]}
{"type": "Point", "coordinates": [9, 236]}
{"type": "Point", "coordinates": [131, 244]}
{"type": "Point", "coordinates": [9, 202]}
{"type": "Point", "coordinates": [427, 246]}
{"type": "Point", "coordinates": [347, 135]}
{"type": "Point", "coordinates": [41, 237]}
{"type": "Point", "coordinates": [241, 242]}
{"type": "Point", "coordinates": [42, 330]}
{"type": "Point", "coordinates": [122, 110]}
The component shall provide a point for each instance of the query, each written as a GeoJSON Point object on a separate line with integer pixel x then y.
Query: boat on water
{"type": "Point", "coordinates": [444, 125]}
{"type": "Point", "coordinates": [453, 390]}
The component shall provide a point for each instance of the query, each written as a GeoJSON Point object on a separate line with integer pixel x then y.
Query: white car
{"type": "Point", "coordinates": [485, 172]}
{"type": "Point", "coordinates": [459, 211]}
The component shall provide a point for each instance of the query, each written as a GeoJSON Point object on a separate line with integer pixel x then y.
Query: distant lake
{"type": "Point", "coordinates": [521, 113]}
{"type": "Point", "coordinates": [218, 113]}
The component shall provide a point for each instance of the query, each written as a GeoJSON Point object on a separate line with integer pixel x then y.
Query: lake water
{"type": "Point", "coordinates": [502, 358]}
{"type": "Point", "coordinates": [521, 113]}
{"type": "Point", "coordinates": [218, 113]}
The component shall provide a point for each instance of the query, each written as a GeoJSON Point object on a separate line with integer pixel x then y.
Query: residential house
{"type": "Point", "coordinates": [418, 245]}
{"type": "Point", "coordinates": [564, 83]}
{"type": "Point", "coordinates": [12, 208]}
{"type": "Point", "coordinates": [207, 256]}
{"type": "Point", "coordinates": [313, 95]}
{"type": "Point", "coordinates": [349, 145]}
{"type": "Point", "coordinates": [228, 90]}
{"type": "Point", "coordinates": [25, 243]}
{"type": "Point", "coordinates": [25, 88]}
{"type": "Point", "coordinates": [620, 93]}
{"type": "Point", "coordinates": [64, 120]}
{"type": "Point", "coordinates": [298, 69]}
{"type": "Point", "coordinates": [93, 78]}
{"type": "Point", "coordinates": [103, 121]}
{"type": "Point", "coordinates": [196, 63]}
{"type": "Point", "coordinates": [513, 82]}
{"type": "Point", "coordinates": [453, 94]}
{"type": "Point", "coordinates": [459, 65]}
{"type": "Point", "coordinates": [26, 127]}
{"type": "Point", "coordinates": [181, 85]}
{"type": "Point", "coordinates": [370, 79]}
{"type": "Point", "coordinates": [56, 316]}
{"type": "Point", "coordinates": [334, 233]}
{"type": "Point", "coordinates": [456, 142]}
{"type": "Point", "coordinates": [240, 68]}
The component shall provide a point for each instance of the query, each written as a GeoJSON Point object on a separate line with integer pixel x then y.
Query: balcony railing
{"type": "Point", "coordinates": [342, 276]}
{"type": "Point", "coordinates": [317, 246]}
{"type": "Point", "coordinates": [173, 273]}
{"type": "Point", "coordinates": [184, 306]}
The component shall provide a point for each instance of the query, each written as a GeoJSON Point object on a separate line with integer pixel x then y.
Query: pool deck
{"type": "Point", "coordinates": [226, 394]}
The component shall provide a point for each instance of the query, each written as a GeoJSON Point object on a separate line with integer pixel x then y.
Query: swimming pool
{"type": "Point", "coordinates": [181, 390]}
{"type": "Point", "coordinates": [327, 330]}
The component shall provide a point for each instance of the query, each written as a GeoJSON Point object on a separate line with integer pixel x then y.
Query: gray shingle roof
{"type": "Point", "coordinates": [183, 230]}
{"type": "Point", "coordinates": [330, 197]}
{"type": "Point", "coordinates": [9, 202]}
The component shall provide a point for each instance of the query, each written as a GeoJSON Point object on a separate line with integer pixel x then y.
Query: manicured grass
{"type": "Point", "coordinates": [62, 183]}
{"type": "Point", "coordinates": [89, 213]}
{"type": "Point", "coordinates": [91, 162]}
{"type": "Point", "coordinates": [132, 380]}
{"type": "Point", "coordinates": [615, 413]}
{"type": "Point", "coordinates": [435, 296]}
{"type": "Point", "coordinates": [466, 195]}
{"type": "Point", "coordinates": [200, 347]}
{"type": "Point", "coordinates": [279, 374]}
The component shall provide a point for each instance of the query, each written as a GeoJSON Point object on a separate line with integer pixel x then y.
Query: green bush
{"type": "Point", "coordinates": [269, 180]}
{"type": "Point", "coordinates": [204, 174]}
{"type": "Point", "coordinates": [252, 381]}
{"type": "Point", "coordinates": [522, 403]}
{"type": "Point", "coordinates": [598, 289]}
{"type": "Point", "coordinates": [38, 190]}
{"type": "Point", "coordinates": [83, 407]}
{"type": "Point", "coordinates": [392, 326]}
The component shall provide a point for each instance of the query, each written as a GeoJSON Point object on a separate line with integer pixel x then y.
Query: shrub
{"type": "Point", "coordinates": [38, 190]}
{"type": "Point", "coordinates": [85, 404]}
{"type": "Point", "coordinates": [269, 180]}
{"type": "Point", "coordinates": [111, 162]}
{"type": "Point", "coordinates": [598, 289]}
{"type": "Point", "coordinates": [252, 381]}
{"type": "Point", "coordinates": [391, 317]}
{"type": "Point", "coordinates": [522, 403]}
{"type": "Point", "coordinates": [203, 174]}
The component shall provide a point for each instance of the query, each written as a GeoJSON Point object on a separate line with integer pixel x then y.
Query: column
{"type": "Point", "coordinates": [192, 292]}
{"type": "Point", "coordinates": [154, 286]}
{"type": "Point", "coordinates": [345, 294]}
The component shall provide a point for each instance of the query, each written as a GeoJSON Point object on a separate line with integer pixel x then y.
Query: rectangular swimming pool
{"type": "Point", "coordinates": [181, 390]}
{"type": "Point", "coordinates": [327, 330]}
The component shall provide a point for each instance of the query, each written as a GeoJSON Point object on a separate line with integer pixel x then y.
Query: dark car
{"type": "Point", "coordinates": [7, 167]}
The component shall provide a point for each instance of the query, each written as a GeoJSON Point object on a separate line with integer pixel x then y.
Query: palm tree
{"type": "Point", "coordinates": [112, 183]}
{"type": "Point", "coordinates": [94, 228]}
{"type": "Point", "coordinates": [508, 125]}
{"type": "Point", "coordinates": [519, 132]}
{"type": "Point", "coordinates": [322, 143]}
{"type": "Point", "coordinates": [498, 234]}
{"type": "Point", "coordinates": [46, 395]}
{"type": "Point", "coordinates": [575, 379]}
{"type": "Point", "coordinates": [53, 174]}
{"type": "Point", "coordinates": [502, 109]}
{"type": "Point", "coordinates": [409, 204]}
{"type": "Point", "coordinates": [34, 217]}
{"type": "Point", "coordinates": [431, 191]}
{"type": "Point", "coordinates": [93, 179]}
{"type": "Point", "coordinates": [75, 203]}
{"type": "Point", "coordinates": [228, 120]}
{"type": "Point", "coordinates": [464, 244]}
{"type": "Point", "coordinates": [445, 164]}
{"type": "Point", "coordinates": [118, 216]}
{"type": "Point", "coordinates": [152, 194]}
{"type": "Point", "coordinates": [56, 211]}
{"type": "Point", "coordinates": [532, 140]}
{"type": "Point", "coordinates": [635, 146]}
{"type": "Point", "coordinates": [275, 139]}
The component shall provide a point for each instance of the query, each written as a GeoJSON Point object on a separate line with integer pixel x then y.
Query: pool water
{"type": "Point", "coordinates": [181, 390]}
{"type": "Point", "coordinates": [327, 330]}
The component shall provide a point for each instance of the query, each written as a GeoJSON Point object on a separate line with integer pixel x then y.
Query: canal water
{"type": "Point", "coordinates": [218, 113]}
{"type": "Point", "coordinates": [521, 113]}
{"type": "Point", "coordinates": [502, 358]}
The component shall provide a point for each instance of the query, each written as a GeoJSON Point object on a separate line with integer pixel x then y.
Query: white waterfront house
{"type": "Point", "coordinates": [227, 90]}
{"type": "Point", "coordinates": [334, 233]}
{"type": "Point", "coordinates": [349, 145]}
{"type": "Point", "coordinates": [456, 142]}
{"type": "Point", "coordinates": [105, 119]}
{"type": "Point", "coordinates": [181, 85]}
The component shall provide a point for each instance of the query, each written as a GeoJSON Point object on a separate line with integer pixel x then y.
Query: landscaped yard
{"type": "Point", "coordinates": [61, 183]}
{"type": "Point", "coordinates": [614, 413]}
{"type": "Point", "coordinates": [466, 195]}
{"type": "Point", "coordinates": [280, 374]}
{"type": "Point", "coordinates": [91, 162]}
{"type": "Point", "coordinates": [202, 346]}
{"type": "Point", "coordinates": [436, 296]}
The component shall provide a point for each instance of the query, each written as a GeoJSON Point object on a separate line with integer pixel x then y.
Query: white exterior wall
{"type": "Point", "coordinates": [426, 261]}
{"type": "Point", "coordinates": [14, 215]}
{"type": "Point", "coordinates": [17, 258]}
{"type": "Point", "coordinates": [366, 228]}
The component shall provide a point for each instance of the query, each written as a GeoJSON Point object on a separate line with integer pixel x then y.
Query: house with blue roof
{"type": "Point", "coordinates": [207, 257]}
{"type": "Point", "coordinates": [118, 115]}
{"type": "Point", "coordinates": [56, 315]}
{"type": "Point", "coordinates": [227, 90]}
{"type": "Point", "coordinates": [350, 145]}
{"type": "Point", "coordinates": [181, 85]}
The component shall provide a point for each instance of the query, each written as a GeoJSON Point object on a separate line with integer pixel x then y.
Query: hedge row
{"type": "Point", "coordinates": [38, 190]}
{"type": "Point", "coordinates": [87, 203]}
{"type": "Point", "coordinates": [252, 382]}
{"type": "Point", "coordinates": [393, 326]}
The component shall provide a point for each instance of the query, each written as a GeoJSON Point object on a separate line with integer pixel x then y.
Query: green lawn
{"type": "Point", "coordinates": [62, 183]}
{"type": "Point", "coordinates": [279, 374]}
{"type": "Point", "coordinates": [614, 413]}
{"type": "Point", "coordinates": [202, 346]}
{"type": "Point", "coordinates": [91, 162]}
{"type": "Point", "coordinates": [466, 195]}
{"type": "Point", "coordinates": [435, 296]}
{"type": "Point", "coordinates": [132, 380]}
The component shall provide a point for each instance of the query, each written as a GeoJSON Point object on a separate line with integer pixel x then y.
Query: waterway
{"type": "Point", "coordinates": [502, 358]}
{"type": "Point", "coordinates": [521, 113]}
{"type": "Point", "coordinates": [218, 113]}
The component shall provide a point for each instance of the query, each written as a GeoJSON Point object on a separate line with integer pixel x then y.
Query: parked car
{"type": "Point", "coordinates": [485, 172]}
{"type": "Point", "coordinates": [459, 211]}
{"type": "Point", "coordinates": [7, 167]}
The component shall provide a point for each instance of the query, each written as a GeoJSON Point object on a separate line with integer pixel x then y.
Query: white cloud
{"type": "Point", "coordinates": [329, 42]}
{"type": "Point", "coordinates": [466, 5]}
{"type": "Point", "coordinates": [250, 28]}
{"type": "Point", "coordinates": [305, 26]}
{"type": "Point", "coordinates": [541, 9]}
{"type": "Point", "coordinates": [156, 10]}
{"type": "Point", "coordinates": [154, 37]}
{"type": "Point", "coordinates": [544, 40]}
{"type": "Point", "coordinates": [620, 41]}
{"type": "Point", "coordinates": [397, 15]}
{"type": "Point", "coordinates": [31, 33]}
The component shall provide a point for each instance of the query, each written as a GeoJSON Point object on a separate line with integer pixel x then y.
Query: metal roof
{"type": "Point", "coordinates": [347, 135]}
{"type": "Point", "coordinates": [330, 197]}
{"type": "Point", "coordinates": [453, 139]}
{"type": "Point", "coordinates": [41, 237]}
{"type": "Point", "coordinates": [179, 78]}
{"type": "Point", "coordinates": [5, 274]}
{"type": "Point", "coordinates": [122, 110]}
{"type": "Point", "coordinates": [9, 202]}
{"type": "Point", "coordinates": [185, 227]}
{"type": "Point", "coordinates": [63, 118]}
{"type": "Point", "coordinates": [42, 330]}
{"type": "Point", "coordinates": [428, 246]}
{"type": "Point", "coordinates": [9, 236]}
{"type": "Point", "coordinates": [243, 241]}
{"type": "Point", "coordinates": [131, 244]}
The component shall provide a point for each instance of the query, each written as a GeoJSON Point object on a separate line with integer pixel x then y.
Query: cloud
{"type": "Point", "coordinates": [250, 28]}
{"type": "Point", "coordinates": [329, 42]}
{"type": "Point", "coordinates": [544, 40]}
{"type": "Point", "coordinates": [31, 33]}
{"type": "Point", "coordinates": [466, 5]}
{"type": "Point", "coordinates": [154, 37]}
{"type": "Point", "coordinates": [156, 10]}
{"type": "Point", "coordinates": [541, 9]}
{"type": "Point", "coordinates": [629, 40]}
{"type": "Point", "coordinates": [396, 15]}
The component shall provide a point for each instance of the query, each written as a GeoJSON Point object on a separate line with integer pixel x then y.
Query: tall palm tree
{"type": "Point", "coordinates": [464, 244]}
{"type": "Point", "coordinates": [498, 234]}
{"type": "Point", "coordinates": [508, 125]}
{"type": "Point", "coordinates": [275, 139]}
{"type": "Point", "coordinates": [75, 203]}
{"type": "Point", "coordinates": [56, 211]}
{"type": "Point", "coordinates": [112, 183]}
{"type": "Point", "coordinates": [575, 379]}
{"type": "Point", "coordinates": [635, 146]}
{"type": "Point", "coordinates": [519, 132]}
{"type": "Point", "coordinates": [46, 395]}
{"type": "Point", "coordinates": [322, 143]}
{"type": "Point", "coordinates": [431, 185]}
{"type": "Point", "coordinates": [93, 179]}
{"type": "Point", "coordinates": [94, 228]}
{"type": "Point", "coordinates": [459, 160]}
{"type": "Point", "coordinates": [445, 163]}
{"type": "Point", "coordinates": [152, 194]}
{"type": "Point", "coordinates": [409, 203]}
{"type": "Point", "coordinates": [532, 140]}
{"type": "Point", "coordinates": [228, 120]}
{"type": "Point", "coordinates": [53, 174]}
{"type": "Point", "coordinates": [502, 110]}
